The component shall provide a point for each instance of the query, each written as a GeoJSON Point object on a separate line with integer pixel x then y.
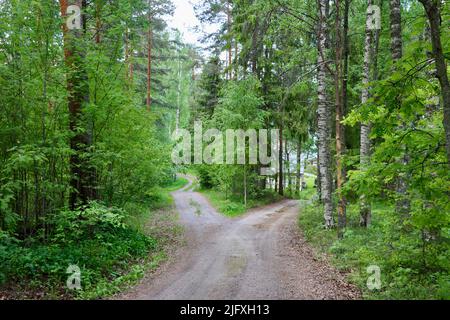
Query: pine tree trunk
{"type": "Point", "coordinates": [98, 22]}
{"type": "Point", "coordinates": [81, 173]}
{"type": "Point", "coordinates": [230, 46]}
{"type": "Point", "coordinates": [324, 112]}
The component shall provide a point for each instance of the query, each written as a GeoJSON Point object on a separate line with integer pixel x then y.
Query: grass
{"type": "Point", "coordinates": [233, 206]}
{"type": "Point", "coordinates": [305, 194]}
{"type": "Point", "coordinates": [178, 184]}
{"type": "Point", "coordinates": [227, 206]}
{"type": "Point", "coordinates": [406, 272]}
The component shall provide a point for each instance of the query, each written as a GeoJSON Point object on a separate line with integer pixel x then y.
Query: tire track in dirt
{"type": "Point", "coordinates": [261, 255]}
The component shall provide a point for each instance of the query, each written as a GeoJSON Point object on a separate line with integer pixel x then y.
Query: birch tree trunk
{"type": "Point", "coordinates": [302, 176]}
{"type": "Point", "coordinates": [364, 151]}
{"type": "Point", "coordinates": [318, 178]}
{"type": "Point", "coordinates": [299, 159]}
{"type": "Point", "coordinates": [324, 121]}
{"type": "Point", "coordinates": [177, 120]}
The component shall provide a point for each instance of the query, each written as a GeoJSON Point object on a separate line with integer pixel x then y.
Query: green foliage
{"type": "Point", "coordinates": [239, 107]}
{"type": "Point", "coordinates": [227, 206]}
{"type": "Point", "coordinates": [412, 266]}
{"type": "Point", "coordinates": [271, 83]}
{"type": "Point", "coordinates": [232, 206]}
{"type": "Point", "coordinates": [96, 239]}
{"type": "Point", "coordinates": [126, 152]}
{"type": "Point", "coordinates": [178, 184]}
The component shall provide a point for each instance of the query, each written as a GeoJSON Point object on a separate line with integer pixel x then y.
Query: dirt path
{"type": "Point", "coordinates": [258, 256]}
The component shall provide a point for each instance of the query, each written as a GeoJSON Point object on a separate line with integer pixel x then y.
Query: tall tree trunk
{"type": "Point", "coordinates": [345, 54]}
{"type": "Point", "coordinates": [98, 21]}
{"type": "Point", "coordinates": [318, 178]}
{"type": "Point", "coordinates": [302, 176]}
{"type": "Point", "coordinates": [149, 58]}
{"type": "Point", "coordinates": [81, 172]}
{"type": "Point", "coordinates": [364, 151]}
{"type": "Point", "coordinates": [276, 182]}
{"type": "Point", "coordinates": [299, 159]}
{"type": "Point", "coordinates": [245, 185]}
{"type": "Point", "coordinates": [396, 29]}
{"type": "Point", "coordinates": [236, 62]}
{"type": "Point", "coordinates": [324, 112]}
{"type": "Point", "coordinates": [230, 41]}
{"type": "Point", "coordinates": [288, 167]}
{"type": "Point", "coordinates": [128, 58]}
{"type": "Point", "coordinates": [434, 17]}
{"type": "Point", "coordinates": [280, 164]}
{"type": "Point", "coordinates": [178, 115]}
{"type": "Point", "coordinates": [340, 139]}
{"type": "Point", "coordinates": [403, 204]}
{"type": "Point", "coordinates": [127, 53]}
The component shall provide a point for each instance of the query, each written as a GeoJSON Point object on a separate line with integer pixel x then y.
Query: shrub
{"type": "Point", "coordinates": [95, 238]}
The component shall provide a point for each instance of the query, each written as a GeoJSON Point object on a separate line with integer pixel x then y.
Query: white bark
{"type": "Point", "coordinates": [324, 119]}
{"type": "Point", "coordinates": [365, 127]}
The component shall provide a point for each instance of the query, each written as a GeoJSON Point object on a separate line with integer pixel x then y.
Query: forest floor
{"type": "Point", "coordinates": [261, 255]}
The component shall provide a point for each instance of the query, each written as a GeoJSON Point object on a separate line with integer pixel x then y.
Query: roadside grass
{"type": "Point", "coordinates": [112, 247]}
{"type": "Point", "coordinates": [160, 224]}
{"type": "Point", "coordinates": [306, 194]}
{"type": "Point", "coordinates": [178, 184]}
{"type": "Point", "coordinates": [406, 272]}
{"type": "Point", "coordinates": [227, 206]}
{"type": "Point", "coordinates": [233, 206]}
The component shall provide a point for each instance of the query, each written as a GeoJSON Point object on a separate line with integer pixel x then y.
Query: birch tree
{"type": "Point", "coordinates": [364, 153]}
{"type": "Point", "coordinates": [323, 117]}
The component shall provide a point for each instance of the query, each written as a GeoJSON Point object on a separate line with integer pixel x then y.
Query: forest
{"type": "Point", "coordinates": [94, 92]}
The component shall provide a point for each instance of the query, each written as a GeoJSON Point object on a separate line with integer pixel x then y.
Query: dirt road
{"type": "Point", "coordinates": [259, 256]}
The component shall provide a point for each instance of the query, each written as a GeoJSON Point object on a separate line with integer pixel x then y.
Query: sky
{"type": "Point", "coordinates": [185, 21]}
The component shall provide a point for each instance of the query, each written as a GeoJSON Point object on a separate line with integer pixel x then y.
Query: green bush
{"type": "Point", "coordinates": [411, 268]}
{"type": "Point", "coordinates": [95, 238]}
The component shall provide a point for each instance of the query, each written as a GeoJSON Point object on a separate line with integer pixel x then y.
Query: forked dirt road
{"type": "Point", "coordinates": [258, 256]}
